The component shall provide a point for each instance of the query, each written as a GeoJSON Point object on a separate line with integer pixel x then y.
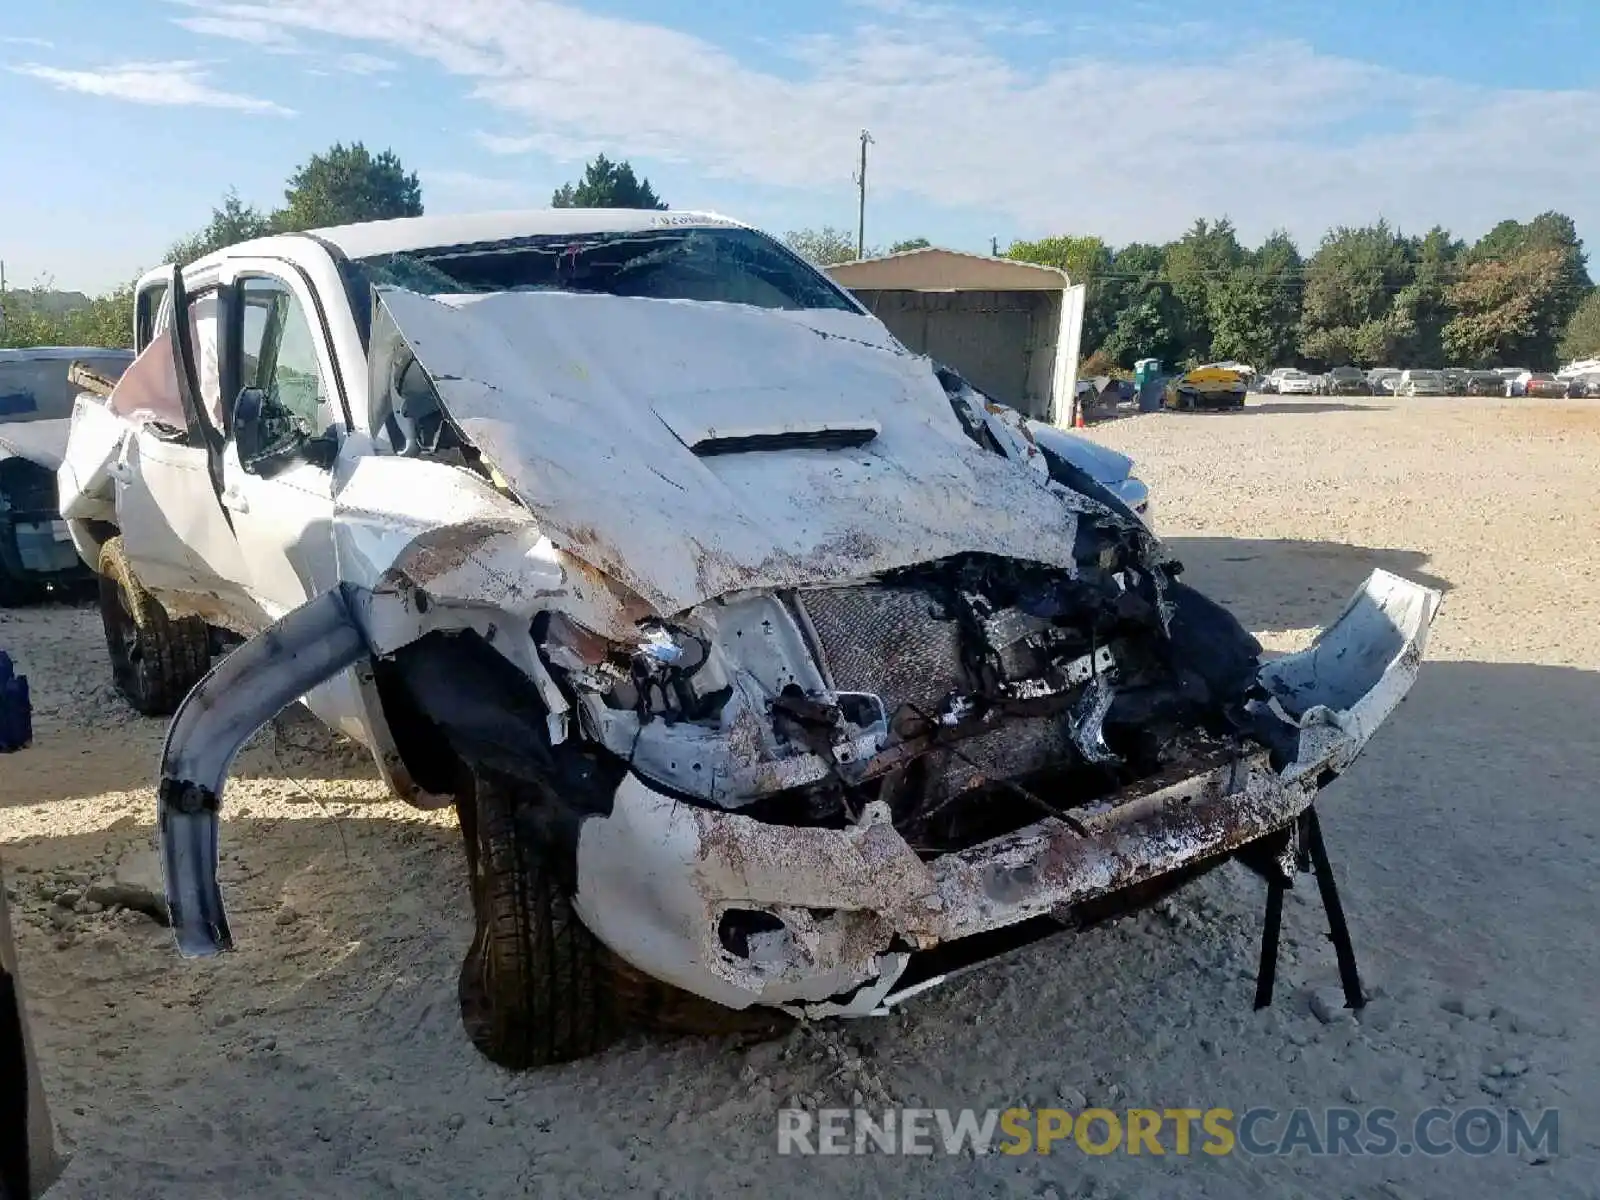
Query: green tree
{"type": "Point", "coordinates": [1506, 309]}
{"type": "Point", "coordinates": [105, 321]}
{"type": "Point", "coordinates": [1082, 258]}
{"type": "Point", "coordinates": [232, 221]}
{"type": "Point", "coordinates": [1086, 260]}
{"type": "Point", "coordinates": [41, 316]}
{"type": "Point", "coordinates": [1517, 291]}
{"type": "Point", "coordinates": [607, 184]}
{"type": "Point", "coordinates": [1347, 314]}
{"type": "Point", "coordinates": [345, 184]}
{"type": "Point", "coordinates": [1253, 310]}
{"type": "Point", "coordinates": [1146, 318]}
{"type": "Point", "coordinates": [916, 243]}
{"type": "Point", "coordinates": [824, 247]}
{"type": "Point", "coordinates": [1421, 308]}
{"type": "Point", "coordinates": [1203, 259]}
{"type": "Point", "coordinates": [1582, 336]}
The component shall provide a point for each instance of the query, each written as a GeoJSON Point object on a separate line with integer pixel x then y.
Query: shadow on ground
{"type": "Point", "coordinates": [1278, 583]}
{"type": "Point", "coordinates": [325, 1056]}
{"type": "Point", "coordinates": [1310, 406]}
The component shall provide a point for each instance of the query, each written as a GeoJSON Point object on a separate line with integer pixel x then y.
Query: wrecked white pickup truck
{"type": "Point", "coordinates": [766, 663]}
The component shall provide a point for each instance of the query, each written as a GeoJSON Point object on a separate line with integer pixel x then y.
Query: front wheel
{"type": "Point", "coordinates": [536, 986]}
{"type": "Point", "coordinates": [155, 658]}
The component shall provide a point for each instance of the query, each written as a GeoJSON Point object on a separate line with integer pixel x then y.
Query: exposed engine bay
{"type": "Point", "coordinates": [969, 695]}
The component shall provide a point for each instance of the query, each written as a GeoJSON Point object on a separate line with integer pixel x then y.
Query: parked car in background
{"type": "Point", "coordinates": [1544, 385]}
{"type": "Point", "coordinates": [1384, 379]}
{"type": "Point", "coordinates": [1483, 383]}
{"type": "Point", "coordinates": [1346, 381]}
{"type": "Point", "coordinates": [1587, 384]}
{"type": "Point", "coordinates": [1296, 383]}
{"type": "Point", "coordinates": [1415, 382]}
{"type": "Point", "coordinates": [1269, 381]}
{"type": "Point", "coordinates": [1516, 380]}
{"type": "Point", "coordinates": [1205, 387]}
{"type": "Point", "coordinates": [1513, 379]}
{"type": "Point", "coordinates": [1455, 380]}
{"type": "Point", "coordinates": [36, 551]}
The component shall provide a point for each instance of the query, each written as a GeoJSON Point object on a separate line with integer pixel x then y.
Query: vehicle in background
{"type": "Point", "coordinates": [1585, 385]}
{"type": "Point", "coordinates": [36, 551]}
{"type": "Point", "coordinates": [1544, 385]}
{"type": "Point", "coordinates": [1384, 379]}
{"type": "Point", "coordinates": [1296, 383]}
{"type": "Point", "coordinates": [1515, 380]}
{"type": "Point", "coordinates": [1483, 383]}
{"type": "Point", "coordinates": [1512, 379]}
{"type": "Point", "coordinates": [1111, 469]}
{"type": "Point", "coordinates": [1455, 380]}
{"type": "Point", "coordinates": [1205, 387]}
{"type": "Point", "coordinates": [1346, 381]}
{"type": "Point", "coordinates": [1421, 382]}
{"type": "Point", "coordinates": [1269, 381]}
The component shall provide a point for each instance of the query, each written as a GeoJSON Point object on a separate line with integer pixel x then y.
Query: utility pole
{"type": "Point", "coordinates": [861, 213]}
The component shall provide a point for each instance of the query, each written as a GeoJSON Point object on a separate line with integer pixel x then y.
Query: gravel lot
{"type": "Point", "coordinates": [325, 1057]}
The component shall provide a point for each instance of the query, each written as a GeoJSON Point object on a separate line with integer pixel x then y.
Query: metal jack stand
{"type": "Point", "coordinates": [1278, 866]}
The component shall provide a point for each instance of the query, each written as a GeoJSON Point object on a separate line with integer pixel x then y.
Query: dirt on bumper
{"type": "Point", "coordinates": [843, 909]}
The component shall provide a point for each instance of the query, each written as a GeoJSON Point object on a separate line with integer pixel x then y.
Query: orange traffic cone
{"type": "Point", "coordinates": [1077, 420]}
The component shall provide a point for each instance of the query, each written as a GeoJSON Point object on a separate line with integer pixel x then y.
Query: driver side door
{"type": "Point", "coordinates": [285, 423]}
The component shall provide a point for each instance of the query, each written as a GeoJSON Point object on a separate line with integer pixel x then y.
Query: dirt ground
{"type": "Point", "coordinates": [325, 1059]}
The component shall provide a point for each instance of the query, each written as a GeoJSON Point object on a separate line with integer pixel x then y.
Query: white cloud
{"type": "Point", "coordinates": [164, 83]}
{"type": "Point", "coordinates": [987, 21]}
{"type": "Point", "coordinates": [448, 189]}
{"type": "Point", "coordinates": [498, 143]}
{"type": "Point", "coordinates": [365, 64]}
{"type": "Point", "coordinates": [36, 42]}
{"type": "Point", "coordinates": [262, 34]}
{"type": "Point", "coordinates": [1130, 147]}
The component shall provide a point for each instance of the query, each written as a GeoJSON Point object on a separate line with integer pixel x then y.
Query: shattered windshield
{"type": "Point", "coordinates": [728, 264]}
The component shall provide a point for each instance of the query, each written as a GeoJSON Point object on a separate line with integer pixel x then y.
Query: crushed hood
{"type": "Point", "coordinates": [590, 406]}
{"type": "Point", "coordinates": [43, 442]}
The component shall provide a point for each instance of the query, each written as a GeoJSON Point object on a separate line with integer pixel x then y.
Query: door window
{"type": "Point", "coordinates": [279, 355]}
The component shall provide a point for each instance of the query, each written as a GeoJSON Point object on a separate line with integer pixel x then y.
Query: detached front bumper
{"type": "Point", "coordinates": [841, 912]}
{"type": "Point", "coordinates": [818, 920]}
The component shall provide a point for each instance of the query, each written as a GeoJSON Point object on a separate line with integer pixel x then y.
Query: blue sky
{"type": "Point", "coordinates": [126, 120]}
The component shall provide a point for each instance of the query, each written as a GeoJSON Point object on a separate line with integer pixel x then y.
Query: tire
{"type": "Point", "coordinates": [536, 987]}
{"type": "Point", "coordinates": [155, 658]}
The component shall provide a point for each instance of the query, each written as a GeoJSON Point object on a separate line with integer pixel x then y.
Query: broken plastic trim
{"type": "Point", "coordinates": [239, 695]}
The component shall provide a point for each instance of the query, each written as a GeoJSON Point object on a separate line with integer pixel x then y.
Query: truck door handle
{"type": "Point", "coordinates": [233, 498]}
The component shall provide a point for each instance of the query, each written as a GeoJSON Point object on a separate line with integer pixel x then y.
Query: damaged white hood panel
{"type": "Point", "coordinates": [689, 450]}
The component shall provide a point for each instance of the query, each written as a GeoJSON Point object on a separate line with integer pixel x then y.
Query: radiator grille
{"type": "Point", "coordinates": [889, 641]}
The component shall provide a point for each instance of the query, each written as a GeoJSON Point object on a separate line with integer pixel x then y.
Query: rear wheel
{"type": "Point", "coordinates": [536, 986]}
{"type": "Point", "coordinates": [155, 658]}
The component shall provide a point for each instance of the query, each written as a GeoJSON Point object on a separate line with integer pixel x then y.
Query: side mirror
{"type": "Point", "coordinates": [266, 433]}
